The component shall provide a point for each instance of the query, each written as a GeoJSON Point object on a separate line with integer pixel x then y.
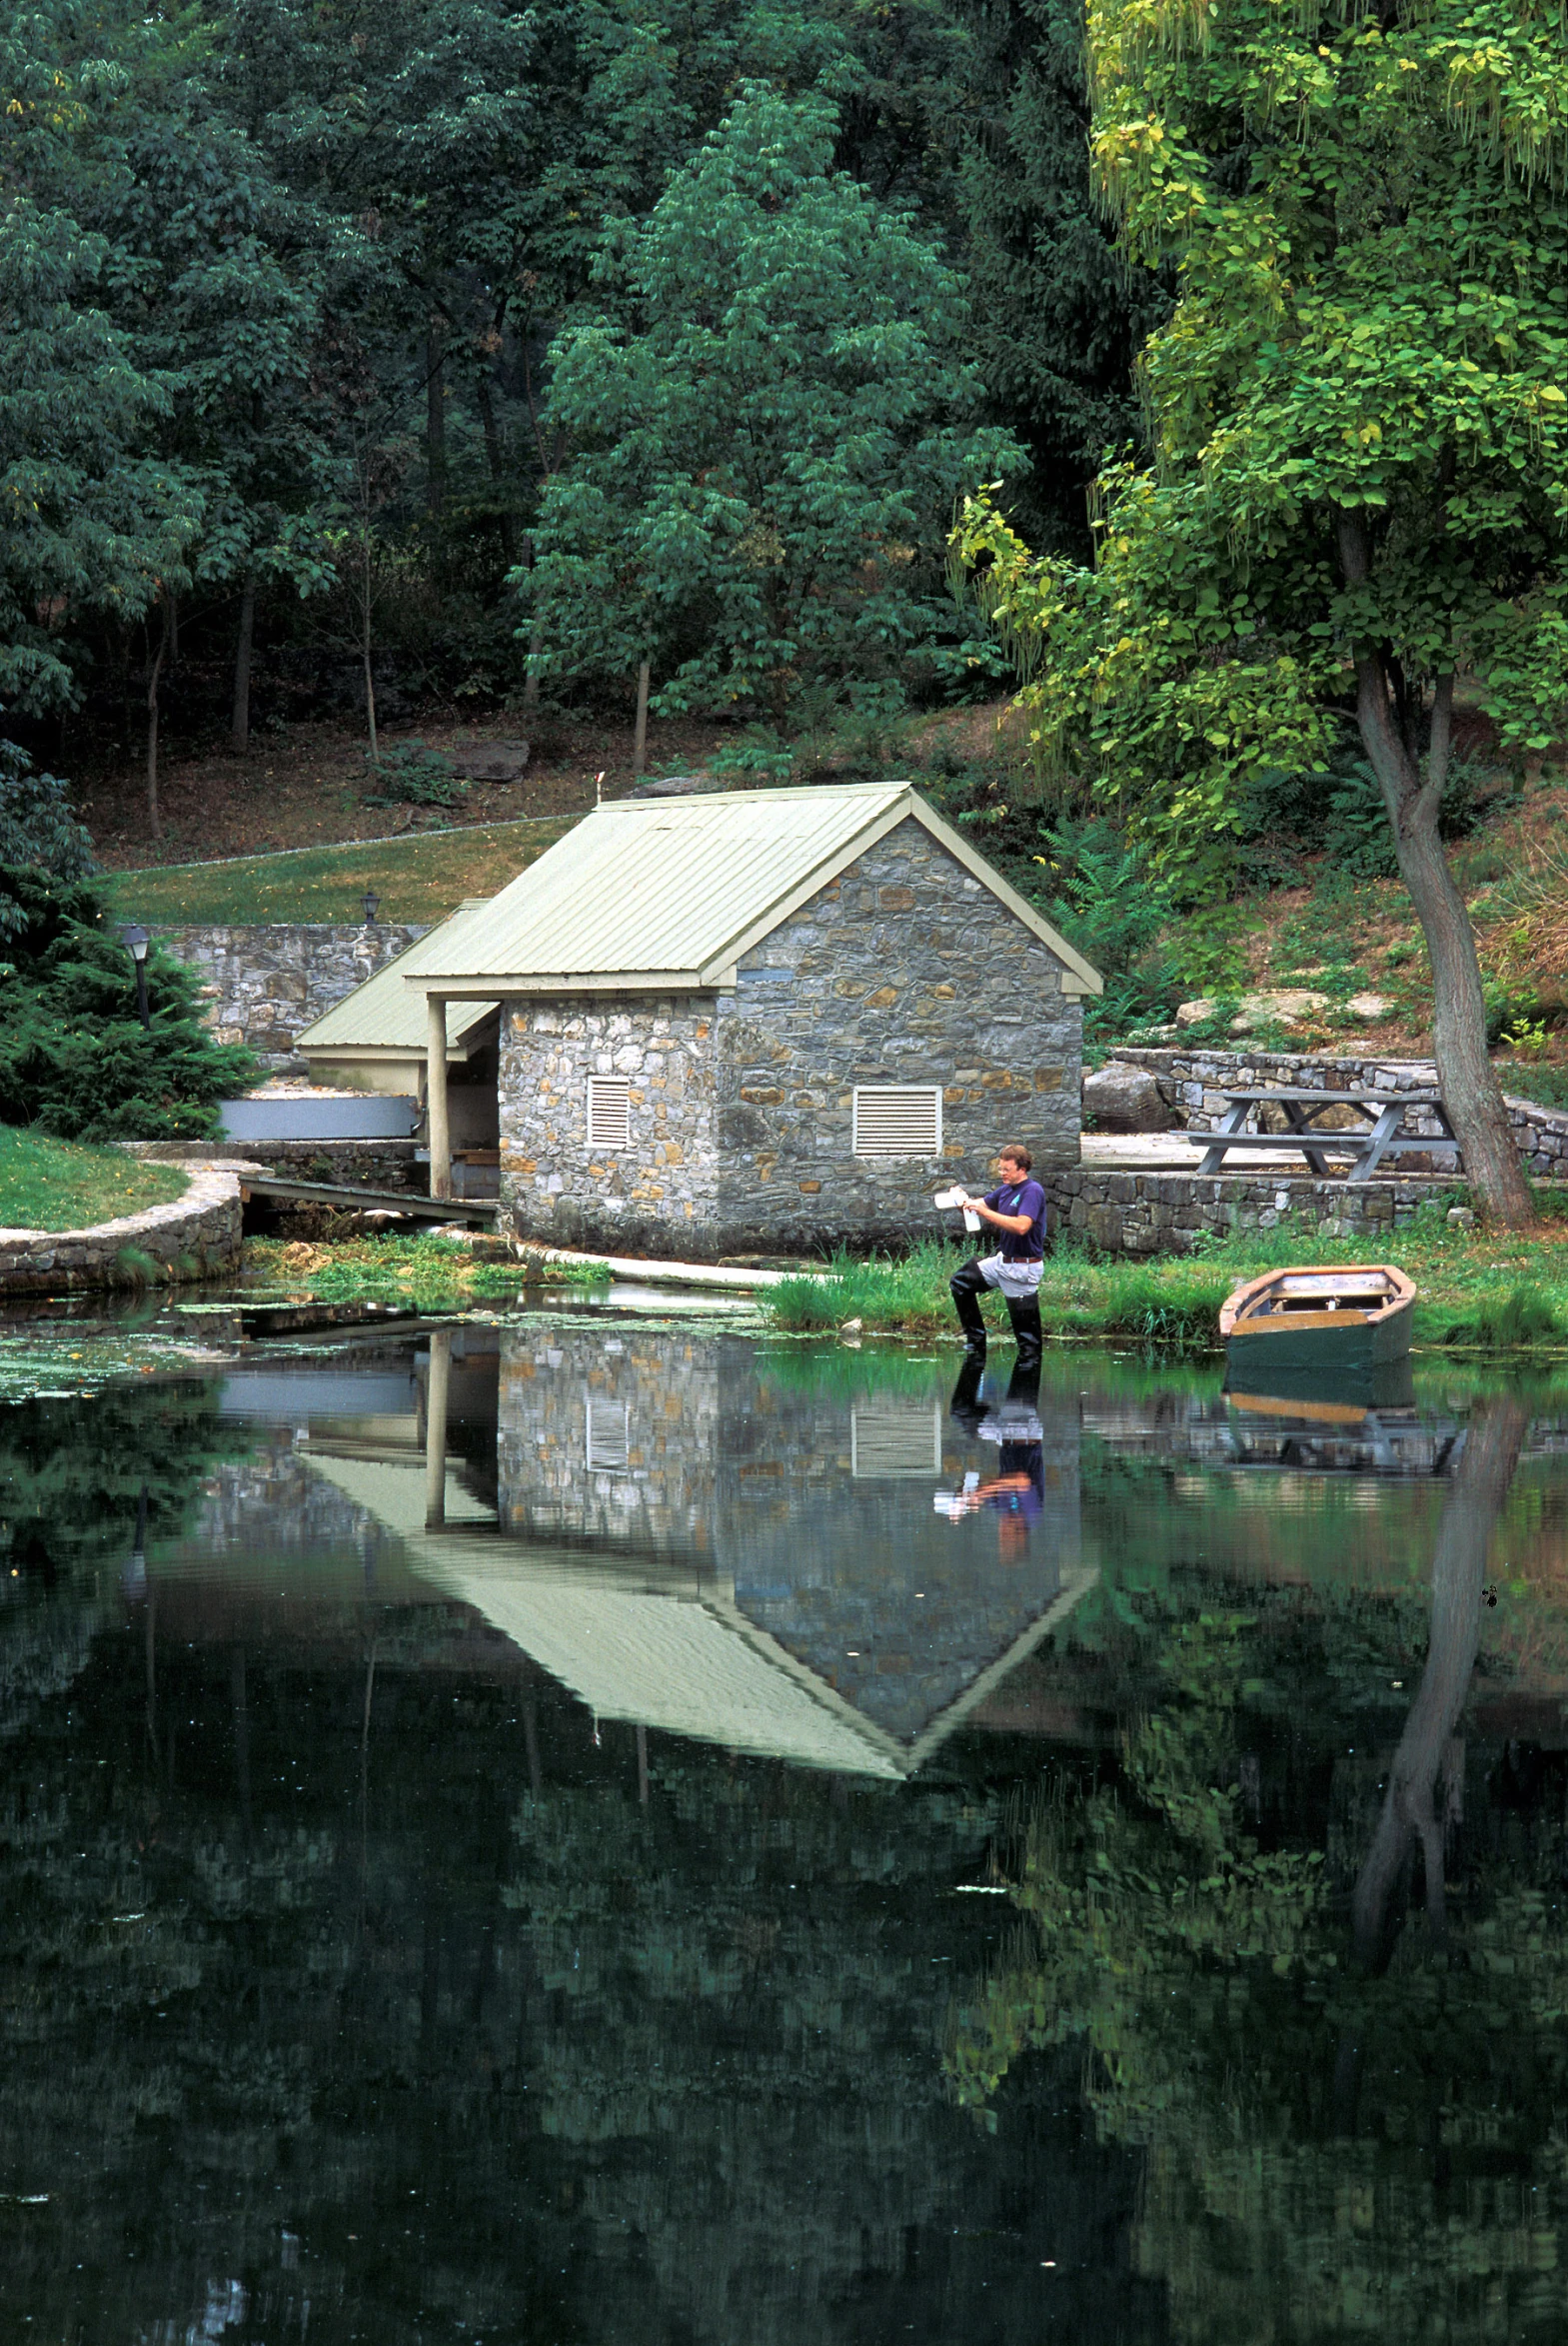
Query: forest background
{"type": "Point", "coordinates": [473, 353]}
{"type": "Point", "coordinates": [599, 358]}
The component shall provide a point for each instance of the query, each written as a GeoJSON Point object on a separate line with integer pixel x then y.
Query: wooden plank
{"type": "Point", "coordinates": [351, 1198]}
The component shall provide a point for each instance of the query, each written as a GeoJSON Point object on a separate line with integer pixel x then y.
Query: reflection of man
{"type": "Point", "coordinates": [1016, 1207]}
{"type": "Point", "coordinates": [1015, 1494]}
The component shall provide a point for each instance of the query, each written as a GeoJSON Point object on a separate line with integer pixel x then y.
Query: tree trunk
{"type": "Point", "coordinates": [497, 462]}
{"type": "Point", "coordinates": [154, 823]}
{"type": "Point", "coordinates": [1465, 1075]}
{"type": "Point", "coordinates": [369, 681]}
{"type": "Point", "coordinates": [240, 731]}
{"type": "Point", "coordinates": [436, 422]}
{"type": "Point", "coordinates": [640, 737]}
{"type": "Point", "coordinates": [1475, 1501]}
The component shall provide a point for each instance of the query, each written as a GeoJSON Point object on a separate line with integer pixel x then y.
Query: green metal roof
{"type": "Point", "coordinates": [386, 1016]}
{"type": "Point", "coordinates": [648, 893]}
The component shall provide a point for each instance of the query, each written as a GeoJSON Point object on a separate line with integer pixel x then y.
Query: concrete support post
{"type": "Point", "coordinates": [435, 1095]}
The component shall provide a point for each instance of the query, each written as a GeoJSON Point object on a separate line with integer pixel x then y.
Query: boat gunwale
{"type": "Point", "coordinates": [1233, 1314]}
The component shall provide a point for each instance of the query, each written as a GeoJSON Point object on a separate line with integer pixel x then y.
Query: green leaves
{"type": "Point", "coordinates": [1369, 326]}
{"type": "Point", "coordinates": [770, 422]}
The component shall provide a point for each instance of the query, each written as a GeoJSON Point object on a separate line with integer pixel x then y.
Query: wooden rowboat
{"type": "Point", "coordinates": [1344, 1316]}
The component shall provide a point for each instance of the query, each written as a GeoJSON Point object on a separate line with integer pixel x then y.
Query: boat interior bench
{"type": "Point", "coordinates": [1382, 1134]}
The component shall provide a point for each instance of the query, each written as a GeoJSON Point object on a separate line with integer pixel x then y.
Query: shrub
{"type": "Point", "coordinates": [74, 1058]}
{"type": "Point", "coordinates": [37, 829]}
{"type": "Point", "coordinates": [411, 775]}
{"type": "Point", "coordinates": [1109, 905]}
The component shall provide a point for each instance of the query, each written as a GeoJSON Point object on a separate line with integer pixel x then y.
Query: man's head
{"type": "Point", "coordinates": [1014, 1162]}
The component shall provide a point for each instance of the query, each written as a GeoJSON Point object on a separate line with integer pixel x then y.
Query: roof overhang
{"type": "Point", "coordinates": [1078, 975]}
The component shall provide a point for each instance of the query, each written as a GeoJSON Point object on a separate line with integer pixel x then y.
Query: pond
{"type": "Point", "coordinates": [621, 1832]}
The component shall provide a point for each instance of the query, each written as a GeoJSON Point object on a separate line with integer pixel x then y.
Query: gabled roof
{"type": "Point", "coordinates": [659, 894]}
{"type": "Point", "coordinates": [385, 1017]}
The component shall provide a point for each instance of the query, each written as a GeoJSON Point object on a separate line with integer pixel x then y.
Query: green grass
{"type": "Point", "coordinates": [1171, 1302]}
{"type": "Point", "coordinates": [1499, 1295]}
{"type": "Point", "coordinates": [418, 879]}
{"type": "Point", "coordinates": [430, 1273]}
{"type": "Point", "coordinates": [64, 1186]}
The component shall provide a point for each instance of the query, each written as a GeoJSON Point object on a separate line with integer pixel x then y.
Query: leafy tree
{"type": "Point", "coordinates": [37, 830]}
{"type": "Point", "coordinates": [90, 516]}
{"type": "Point", "coordinates": [1361, 434]}
{"type": "Point", "coordinates": [74, 1056]}
{"type": "Point", "coordinates": [766, 435]}
{"type": "Point", "coordinates": [1058, 314]}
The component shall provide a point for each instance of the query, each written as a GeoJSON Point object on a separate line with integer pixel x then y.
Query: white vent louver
{"type": "Point", "coordinates": [608, 1434]}
{"type": "Point", "coordinates": [897, 1121]}
{"type": "Point", "coordinates": [892, 1441]}
{"type": "Point", "coordinates": [608, 1111]}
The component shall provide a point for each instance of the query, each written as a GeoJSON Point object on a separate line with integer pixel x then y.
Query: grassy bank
{"type": "Point", "coordinates": [1497, 1293]}
{"type": "Point", "coordinates": [430, 1274]}
{"type": "Point", "coordinates": [64, 1186]}
{"type": "Point", "coordinates": [418, 879]}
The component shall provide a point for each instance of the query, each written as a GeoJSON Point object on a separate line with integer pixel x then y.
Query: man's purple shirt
{"type": "Point", "coordinates": [1021, 1198]}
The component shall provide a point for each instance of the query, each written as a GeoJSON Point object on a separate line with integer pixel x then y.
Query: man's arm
{"type": "Point", "coordinates": [1018, 1223]}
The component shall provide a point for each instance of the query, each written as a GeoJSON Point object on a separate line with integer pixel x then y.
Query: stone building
{"type": "Point", "coordinates": [761, 1020]}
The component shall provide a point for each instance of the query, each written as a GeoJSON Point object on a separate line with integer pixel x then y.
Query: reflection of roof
{"type": "Point", "coordinates": [387, 1014]}
{"type": "Point", "coordinates": [653, 892]}
{"type": "Point", "coordinates": [680, 1656]}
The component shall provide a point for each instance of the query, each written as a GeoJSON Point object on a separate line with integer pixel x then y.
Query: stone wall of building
{"type": "Point", "coordinates": [609, 1440]}
{"type": "Point", "coordinates": [1166, 1213]}
{"type": "Point", "coordinates": [905, 969]}
{"type": "Point", "coordinates": [661, 1191]}
{"type": "Point", "coordinates": [265, 984]}
{"type": "Point", "coordinates": [1192, 1083]}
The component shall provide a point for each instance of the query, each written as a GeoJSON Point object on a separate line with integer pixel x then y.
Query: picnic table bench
{"type": "Point", "coordinates": [1382, 1135]}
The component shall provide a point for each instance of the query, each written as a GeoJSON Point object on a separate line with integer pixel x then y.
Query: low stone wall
{"type": "Point", "coordinates": [1192, 1083]}
{"type": "Point", "coordinates": [1167, 1212]}
{"type": "Point", "coordinates": [371, 1165]}
{"type": "Point", "coordinates": [194, 1236]}
{"type": "Point", "coordinates": [266, 984]}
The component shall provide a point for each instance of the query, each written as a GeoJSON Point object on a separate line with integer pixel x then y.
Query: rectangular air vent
{"type": "Point", "coordinates": [608, 1434]}
{"type": "Point", "coordinates": [888, 1440]}
{"type": "Point", "coordinates": [608, 1111]}
{"type": "Point", "coordinates": [902, 1120]}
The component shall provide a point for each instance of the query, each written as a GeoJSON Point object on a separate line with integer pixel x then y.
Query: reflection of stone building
{"type": "Point", "coordinates": [688, 1539]}
{"type": "Point", "coordinates": [797, 1522]}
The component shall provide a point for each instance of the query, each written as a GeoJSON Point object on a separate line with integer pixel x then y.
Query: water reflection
{"type": "Point", "coordinates": [539, 1834]}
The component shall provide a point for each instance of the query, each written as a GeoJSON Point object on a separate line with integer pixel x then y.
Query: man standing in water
{"type": "Point", "coordinates": [1016, 1208]}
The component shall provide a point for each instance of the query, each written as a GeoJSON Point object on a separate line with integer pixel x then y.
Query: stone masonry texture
{"type": "Point", "coordinates": [191, 1237]}
{"type": "Point", "coordinates": [904, 969]}
{"type": "Point", "coordinates": [266, 984]}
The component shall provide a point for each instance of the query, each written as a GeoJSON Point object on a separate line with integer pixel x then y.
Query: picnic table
{"type": "Point", "coordinates": [1382, 1135]}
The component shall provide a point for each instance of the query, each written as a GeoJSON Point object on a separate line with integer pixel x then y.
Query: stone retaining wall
{"type": "Point", "coordinates": [1192, 1083]}
{"type": "Point", "coordinates": [266, 984]}
{"type": "Point", "coordinates": [1166, 1213]}
{"type": "Point", "coordinates": [371, 1165]}
{"type": "Point", "coordinates": [194, 1236]}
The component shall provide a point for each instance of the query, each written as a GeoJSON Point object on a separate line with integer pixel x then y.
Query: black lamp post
{"type": "Point", "coordinates": [372, 906]}
{"type": "Point", "coordinates": [135, 942]}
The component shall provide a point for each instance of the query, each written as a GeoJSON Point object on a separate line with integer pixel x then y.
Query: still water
{"type": "Point", "coordinates": [620, 1834]}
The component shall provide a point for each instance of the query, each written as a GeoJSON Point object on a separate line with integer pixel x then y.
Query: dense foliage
{"type": "Point", "coordinates": [323, 328]}
{"type": "Point", "coordinates": [74, 1056]}
{"type": "Point", "coordinates": [1359, 491]}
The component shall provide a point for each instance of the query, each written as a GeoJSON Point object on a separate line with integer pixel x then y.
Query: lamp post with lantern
{"type": "Point", "coordinates": [136, 941]}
